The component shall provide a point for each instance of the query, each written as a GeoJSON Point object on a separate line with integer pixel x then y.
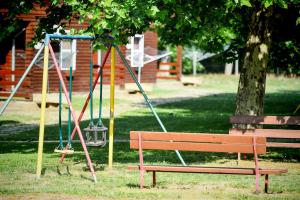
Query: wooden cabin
{"type": "Point", "coordinates": [23, 56]}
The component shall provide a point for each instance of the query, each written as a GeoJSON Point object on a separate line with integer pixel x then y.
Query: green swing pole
{"type": "Point", "coordinates": [59, 117]}
{"type": "Point", "coordinates": [146, 98]}
{"type": "Point", "coordinates": [69, 114]}
{"type": "Point", "coordinates": [100, 103]}
{"type": "Point", "coordinates": [91, 88]}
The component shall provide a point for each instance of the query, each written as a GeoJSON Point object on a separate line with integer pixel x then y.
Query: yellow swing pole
{"type": "Point", "coordinates": [43, 110]}
{"type": "Point", "coordinates": [112, 105]}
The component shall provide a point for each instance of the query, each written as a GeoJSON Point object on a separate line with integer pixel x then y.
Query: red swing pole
{"type": "Point", "coordinates": [73, 114]}
{"type": "Point", "coordinates": [89, 97]}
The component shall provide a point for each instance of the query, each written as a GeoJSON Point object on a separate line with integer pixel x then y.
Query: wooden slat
{"type": "Point", "coordinates": [169, 63]}
{"type": "Point", "coordinates": [271, 133]}
{"type": "Point", "coordinates": [275, 120]}
{"type": "Point", "coordinates": [10, 72]}
{"type": "Point", "coordinates": [204, 147]}
{"type": "Point", "coordinates": [118, 67]}
{"type": "Point", "coordinates": [25, 95]}
{"type": "Point", "coordinates": [283, 145]}
{"type": "Point", "coordinates": [9, 83]}
{"type": "Point", "coordinates": [212, 170]}
{"type": "Point", "coordinates": [167, 70]}
{"type": "Point", "coordinates": [195, 137]}
{"type": "Point", "coordinates": [167, 77]}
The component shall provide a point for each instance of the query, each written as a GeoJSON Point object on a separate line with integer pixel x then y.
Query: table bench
{"type": "Point", "coordinates": [200, 142]}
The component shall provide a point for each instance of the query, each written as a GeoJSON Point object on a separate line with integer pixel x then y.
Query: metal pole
{"type": "Point", "coordinates": [69, 112]}
{"type": "Point", "coordinates": [146, 98]}
{"type": "Point", "coordinates": [194, 62]}
{"type": "Point", "coordinates": [112, 105]}
{"type": "Point", "coordinates": [43, 110]}
{"type": "Point", "coordinates": [75, 119]}
{"type": "Point", "coordinates": [91, 87]}
{"type": "Point", "coordinates": [139, 74]}
{"type": "Point", "coordinates": [20, 81]}
{"type": "Point", "coordinates": [236, 71]}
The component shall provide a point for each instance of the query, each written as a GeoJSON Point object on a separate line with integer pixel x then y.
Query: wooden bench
{"type": "Point", "coordinates": [276, 134]}
{"type": "Point", "coordinates": [200, 142]}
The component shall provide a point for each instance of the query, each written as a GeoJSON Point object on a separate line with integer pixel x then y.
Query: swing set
{"type": "Point", "coordinates": [95, 133]}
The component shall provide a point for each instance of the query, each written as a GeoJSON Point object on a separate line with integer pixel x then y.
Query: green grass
{"type": "Point", "coordinates": [205, 114]}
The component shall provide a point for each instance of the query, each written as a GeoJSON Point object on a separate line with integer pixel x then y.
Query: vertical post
{"type": "Point", "coordinates": [13, 61]}
{"type": "Point", "coordinates": [43, 110]}
{"type": "Point", "coordinates": [139, 74]}
{"type": "Point", "coordinates": [266, 183]}
{"type": "Point", "coordinates": [141, 161]}
{"type": "Point", "coordinates": [112, 102]}
{"type": "Point", "coordinates": [154, 178]}
{"type": "Point", "coordinates": [59, 116]}
{"type": "Point", "coordinates": [194, 61]}
{"type": "Point", "coordinates": [236, 66]}
{"type": "Point", "coordinates": [99, 57]}
{"type": "Point", "coordinates": [69, 112]}
{"type": "Point", "coordinates": [91, 88]}
{"type": "Point", "coordinates": [179, 62]}
{"type": "Point", "coordinates": [256, 165]}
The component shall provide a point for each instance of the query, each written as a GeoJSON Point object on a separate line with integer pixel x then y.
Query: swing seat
{"type": "Point", "coordinates": [92, 134]}
{"type": "Point", "coordinates": [64, 151]}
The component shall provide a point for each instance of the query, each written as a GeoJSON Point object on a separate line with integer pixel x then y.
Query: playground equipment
{"type": "Point", "coordinates": [93, 131]}
{"type": "Point", "coordinates": [111, 50]}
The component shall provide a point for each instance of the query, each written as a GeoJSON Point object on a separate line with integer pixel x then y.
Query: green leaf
{"type": "Point", "coordinates": [298, 21]}
{"type": "Point", "coordinates": [267, 3]}
{"type": "Point", "coordinates": [246, 3]}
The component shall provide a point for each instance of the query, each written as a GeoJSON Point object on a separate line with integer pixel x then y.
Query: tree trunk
{"type": "Point", "coordinates": [251, 90]}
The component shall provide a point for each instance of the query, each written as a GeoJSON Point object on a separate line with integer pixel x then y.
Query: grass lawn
{"type": "Point", "coordinates": [211, 113]}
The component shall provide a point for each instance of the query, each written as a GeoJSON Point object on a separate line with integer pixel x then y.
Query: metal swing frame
{"type": "Point", "coordinates": [111, 50]}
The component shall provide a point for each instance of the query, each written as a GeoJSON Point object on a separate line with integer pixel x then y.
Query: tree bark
{"type": "Point", "coordinates": [251, 90]}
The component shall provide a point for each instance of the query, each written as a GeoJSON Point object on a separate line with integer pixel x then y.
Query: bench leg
{"type": "Point", "coordinates": [141, 178]}
{"type": "Point", "coordinates": [238, 158]}
{"type": "Point", "coordinates": [154, 178]}
{"type": "Point", "coordinates": [266, 183]}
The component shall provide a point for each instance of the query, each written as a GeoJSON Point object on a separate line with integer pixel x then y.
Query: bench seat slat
{"type": "Point", "coordinates": [205, 147]}
{"type": "Point", "coordinates": [194, 137]}
{"type": "Point", "coordinates": [213, 170]}
{"type": "Point", "coordinates": [283, 145]}
{"type": "Point", "coordinates": [271, 120]}
{"type": "Point", "coordinates": [271, 133]}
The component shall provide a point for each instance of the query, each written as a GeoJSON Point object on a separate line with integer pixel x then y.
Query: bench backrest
{"type": "Point", "coordinates": [270, 120]}
{"type": "Point", "coordinates": [269, 133]}
{"type": "Point", "coordinates": [197, 142]}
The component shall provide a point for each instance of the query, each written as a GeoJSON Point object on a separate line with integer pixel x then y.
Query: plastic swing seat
{"type": "Point", "coordinates": [92, 133]}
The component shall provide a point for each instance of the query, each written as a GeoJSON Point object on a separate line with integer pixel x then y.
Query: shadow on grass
{"type": "Point", "coordinates": [4, 122]}
{"type": "Point", "coordinates": [208, 114]}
